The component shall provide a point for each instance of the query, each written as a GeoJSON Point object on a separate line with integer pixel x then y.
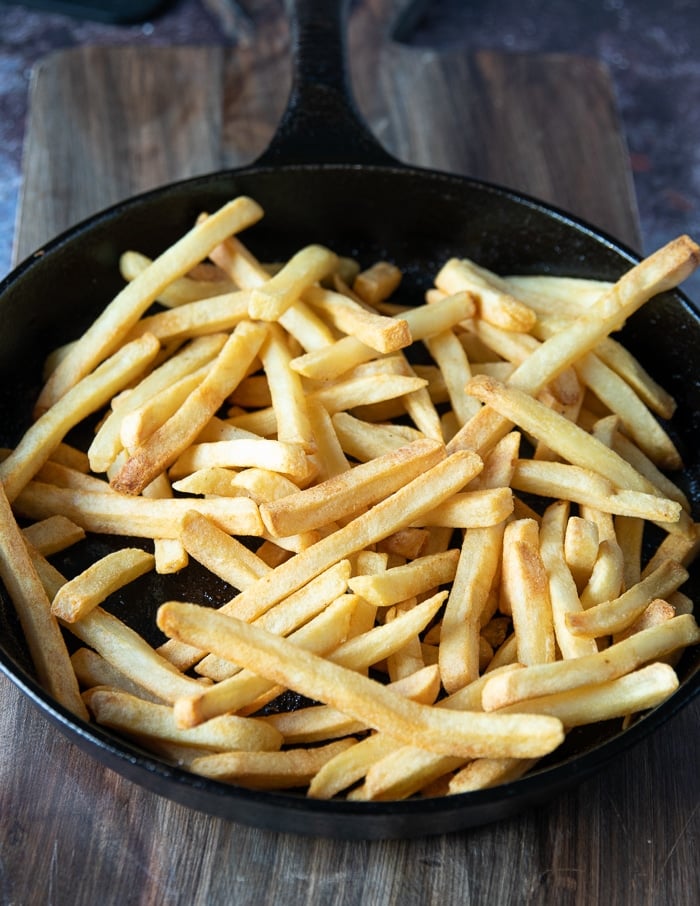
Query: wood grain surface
{"type": "Point", "coordinates": [108, 122]}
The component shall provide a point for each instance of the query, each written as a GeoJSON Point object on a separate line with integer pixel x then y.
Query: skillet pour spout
{"type": "Point", "coordinates": [325, 178]}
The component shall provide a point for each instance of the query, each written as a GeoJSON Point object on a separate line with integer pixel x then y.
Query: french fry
{"type": "Point", "coordinates": [402, 582]}
{"type": "Point", "coordinates": [377, 283]}
{"type": "Point", "coordinates": [623, 657]}
{"type": "Point", "coordinates": [172, 438]}
{"type": "Point", "coordinates": [106, 444]}
{"type": "Point", "coordinates": [47, 648]}
{"type": "Point", "coordinates": [524, 581]}
{"type": "Point", "coordinates": [496, 304]}
{"type": "Point", "coordinates": [114, 514]}
{"type": "Point", "coordinates": [378, 331]}
{"type": "Point", "coordinates": [53, 534]}
{"type": "Point", "coordinates": [637, 691]}
{"type": "Point", "coordinates": [483, 773]}
{"type": "Point", "coordinates": [319, 722]}
{"type": "Point", "coordinates": [423, 321]}
{"type": "Point", "coordinates": [132, 655]}
{"type": "Point", "coordinates": [616, 615]}
{"type": "Point", "coordinates": [90, 587]}
{"type": "Point", "coordinates": [84, 398]}
{"type": "Point", "coordinates": [107, 331]}
{"type": "Point", "coordinates": [269, 770]}
{"type": "Point", "coordinates": [137, 717]}
{"type": "Point", "coordinates": [466, 734]}
{"type": "Point", "coordinates": [304, 269]}
{"type": "Point", "coordinates": [195, 319]}
{"type": "Point", "coordinates": [287, 393]}
{"type": "Point", "coordinates": [580, 548]}
{"type": "Point", "coordinates": [181, 290]}
{"type": "Point", "coordinates": [351, 491]}
{"type": "Point", "coordinates": [235, 693]}
{"type": "Point", "coordinates": [563, 593]}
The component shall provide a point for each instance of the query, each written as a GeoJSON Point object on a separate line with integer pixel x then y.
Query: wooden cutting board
{"type": "Point", "coordinates": [107, 122]}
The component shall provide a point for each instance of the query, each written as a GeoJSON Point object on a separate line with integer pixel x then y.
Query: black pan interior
{"type": "Point", "coordinates": [417, 219]}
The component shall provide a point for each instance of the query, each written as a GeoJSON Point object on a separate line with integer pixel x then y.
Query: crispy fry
{"type": "Point", "coordinates": [98, 581]}
{"type": "Point", "coordinates": [451, 733]}
{"type": "Point", "coordinates": [108, 330]}
{"type": "Point", "coordinates": [165, 444]}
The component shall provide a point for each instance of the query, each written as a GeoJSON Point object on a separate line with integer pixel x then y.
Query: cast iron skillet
{"type": "Point", "coordinates": [325, 179]}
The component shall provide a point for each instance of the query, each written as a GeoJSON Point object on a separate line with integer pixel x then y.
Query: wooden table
{"type": "Point", "coordinates": [105, 123]}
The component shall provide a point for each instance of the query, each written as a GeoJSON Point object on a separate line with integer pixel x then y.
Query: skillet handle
{"type": "Point", "coordinates": [321, 123]}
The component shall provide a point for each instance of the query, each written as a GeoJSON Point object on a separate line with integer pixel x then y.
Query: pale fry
{"type": "Point", "coordinates": [243, 690]}
{"type": "Point", "coordinates": [53, 534]}
{"type": "Point", "coordinates": [115, 514]}
{"type": "Point", "coordinates": [562, 588]}
{"type": "Point", "coordinates": [288, 398]}
{"type": "Point", "coordinates": [131, 654]}
{"type": "Point", "coordinates": [496, 304]}
{"type": "Point", "coordinates": [402, 582]}
{"type": "Point", "coordinates": [637, 691]}
{"type": "Point", "coordinates": [525, 584]}
{"type": "Point", "coordinates": [106, 444]}
{"type": "Point", "coordinates": [378, 331]}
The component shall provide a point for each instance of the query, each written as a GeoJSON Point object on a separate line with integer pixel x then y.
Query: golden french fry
{"type": "Point", "coordinates": [237, 690]}
{"type": "Point", "coordinates": [165, 444]}
{"type": "Point", "coordinates": [132, 655]}
{"type": "Point", "coordinates": [496, 304]}
{"type": "Point", "coordinates": [53, 534]}
{"type": "Point", "coordinates": [138, 717]}
{"type": "Point", "coordinates": [106, 444]}
{"type": "Point", "coordinates": [580, 548]}
{"type": "Point", "coordinates": [402, 582]}
{"type": "Point", "coordinates": [623, 657]}
{"type": "Point", "coordinates": [377, 282]}
{"type": "Point", "coordinates": [108, 330]}
{"type": "Point", "coordinates": [524, 581]}
{"type": "Point", "coordinates": [439, 730]}
{"type": "Point", "coordinates": [304, 269]}
{"type": "Point", "coordinates": [350, 492]}
{"type": "Point", "coordinates": [636, 691]}
{"type": "Point", "coordinates": [483, 773]}
{"type": "Point", "coordinates": [82, 399]}
{"type": "Point", "coordinates": [269, 770]}
{"type": "Point", "coordinates": [287, 393]}
{"type": "Point", "coordinates": [378, 331]}
{"type": "Point", "coordinates": [44, 640]}
{"type": "Point", "coordinates": [90, 587]}
{"type": "Point", "coordinates": [319, 722]}
{"type": "Point", "coordinates": [115, 514]}
{"type": "Point", "coordinates": [616, 615]}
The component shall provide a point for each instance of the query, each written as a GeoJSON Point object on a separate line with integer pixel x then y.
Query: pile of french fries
{"type": "Point", "coordinates": [435, 520]}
